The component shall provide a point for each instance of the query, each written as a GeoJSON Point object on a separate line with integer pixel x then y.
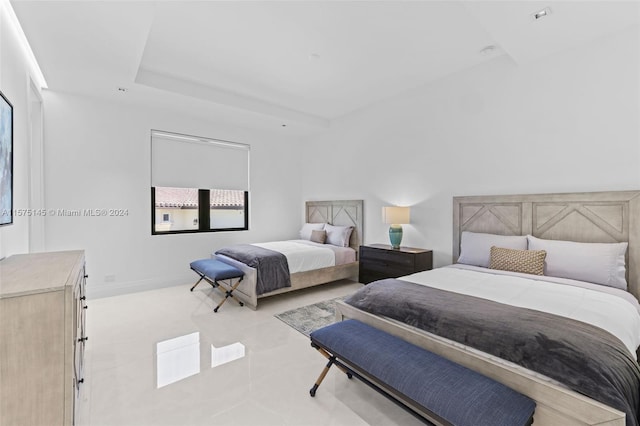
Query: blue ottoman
{"type": "Point", "coordinates": [214, 272]}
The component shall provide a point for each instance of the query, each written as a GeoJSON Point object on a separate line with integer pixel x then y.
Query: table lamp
{"type": "Point", "coordinates": [395, 216]}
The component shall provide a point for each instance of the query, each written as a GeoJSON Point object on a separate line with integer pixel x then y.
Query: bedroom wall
{"type": "Point", "coordinates": [15, 74]}
{"type": "Point", "coordinates": [98, 156]}
{"type": "Point", "coordinates": [566, 123]}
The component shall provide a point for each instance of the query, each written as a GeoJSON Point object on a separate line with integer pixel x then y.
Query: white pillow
{"type": "Point", "coordinates": [305, 232]}
{"type": "Point", "coordinates": [475, 247]}
{"type": "Point", "coordinates": [599, 263]}
{"type": "Point", "coordinates": [338, 235]}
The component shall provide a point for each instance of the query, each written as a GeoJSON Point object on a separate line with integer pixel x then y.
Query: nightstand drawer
{"type": "Point", "coordinates": [369, 276]}
{"type": "Point", "coordinates": [381, 271]}
{"type": "Point", "coordinates": [378, 261]}
{"type": "Point", "coordinates": [385, 256]}
{"type": "Point", "coordinates": [391, 270]}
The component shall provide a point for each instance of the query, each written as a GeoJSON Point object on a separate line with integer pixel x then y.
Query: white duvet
{"type": "Point", "coordinates": [615, 313]}
{"type": "Point", "coordinates": [302, 257]}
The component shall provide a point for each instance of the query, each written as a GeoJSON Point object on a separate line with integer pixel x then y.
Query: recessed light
{"type": "Point", "coordinates": [541, 13]}
{"type": "Point", "coordinates": [122, 89]}
{"type": "Point", "coordinates": [284, 125]}
{"type": "Point", "coordinates": [314, 56]}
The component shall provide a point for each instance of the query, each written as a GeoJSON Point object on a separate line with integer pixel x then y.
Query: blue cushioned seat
{"type": "Point", "coordinates": [215, 269]}
{"type": "Point", "coordinates": [452, 392]}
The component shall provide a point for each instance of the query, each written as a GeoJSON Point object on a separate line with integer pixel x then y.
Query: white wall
{"type": "Point", "coordinates": [15, 74]}
{"type": "Point", "coordinates": [98, 157]}
{"type": "Point", "coordinates": [567, 123]}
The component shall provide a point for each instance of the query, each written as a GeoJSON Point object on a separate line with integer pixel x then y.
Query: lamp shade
{"type": "Point", "coordinates": [396, 215]}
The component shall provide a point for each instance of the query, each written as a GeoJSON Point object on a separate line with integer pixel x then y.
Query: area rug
{"type": "Point", "coordinates": [311, 317]}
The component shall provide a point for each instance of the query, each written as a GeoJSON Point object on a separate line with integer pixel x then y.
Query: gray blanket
{"type": "Point", "coordinates": [272, 266]}
{"type": "Point", "coordinates": [585, 358]}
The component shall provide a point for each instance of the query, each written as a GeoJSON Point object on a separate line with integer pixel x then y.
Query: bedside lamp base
{"type": "Point", "coordinates": [395, 236]}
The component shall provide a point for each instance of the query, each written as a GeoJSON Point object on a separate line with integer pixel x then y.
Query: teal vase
{"type": "Point", "coordinates": [395, 235]}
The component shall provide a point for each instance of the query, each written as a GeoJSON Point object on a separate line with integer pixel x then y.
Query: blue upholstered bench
{"type": "Point", "coordinates": [214, 272]}
{"type": "Point", "coordinates": [425, 383]}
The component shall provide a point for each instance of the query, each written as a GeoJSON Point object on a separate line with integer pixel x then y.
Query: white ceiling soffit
{"type": "Point", "coordinates": [87, 47]}
{"type": "Point", "coordinates": [225, 97]}
{"type": "Point", "coordinates": [295, 62]}
{"type": "Point", "coordinates": [323, 59]}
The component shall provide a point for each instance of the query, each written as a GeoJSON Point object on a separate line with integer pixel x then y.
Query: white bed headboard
{"type": "Point", "coordinates": [598, 217]}
{"type": "Point", "coordinates": [339, 213]}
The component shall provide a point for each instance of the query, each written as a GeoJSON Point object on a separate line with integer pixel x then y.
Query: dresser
{"type": "Point", "coordinates": [379, 261]}
{"type": "Point", "coordinates": [42, 337]}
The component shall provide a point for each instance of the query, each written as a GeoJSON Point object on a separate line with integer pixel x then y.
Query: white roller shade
{"type": "Point", "coordinates": [191, 162]}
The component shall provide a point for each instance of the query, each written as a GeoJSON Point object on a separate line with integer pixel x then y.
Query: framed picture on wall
{"type": "Point", "coordinates": [6, 161]}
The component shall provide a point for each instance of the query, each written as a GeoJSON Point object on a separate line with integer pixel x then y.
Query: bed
{"type": "Point", "coordinates": [339, 213]}
{"type": "Point", "coordinates": [602, 217]}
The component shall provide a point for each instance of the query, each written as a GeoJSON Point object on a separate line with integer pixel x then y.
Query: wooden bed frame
{"type": "Point", "coordinates": [339, 213]}
{"type": "Point", "coordinates": [584, 217]}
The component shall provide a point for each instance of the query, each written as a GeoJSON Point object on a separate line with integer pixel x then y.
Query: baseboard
{"type": "Point", "coordinates": [118, 289]}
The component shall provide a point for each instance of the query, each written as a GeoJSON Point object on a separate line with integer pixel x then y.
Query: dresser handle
{"type": "Point", "coordinates": [83, 339]}
{"type": "Point", "coordinates": [81, 380]}
{"type": "Point", "coordinates": [83, 298]}
{"type": "Point", "coordinates": [86, 276]}
{"type": "Point", "coordinates": [85, 307]}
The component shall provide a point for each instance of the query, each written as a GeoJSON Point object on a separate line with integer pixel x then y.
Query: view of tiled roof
{"type": "Point", "coordinates": [226, 198]}
{"type": "Point", "coordinates": [188, 198]}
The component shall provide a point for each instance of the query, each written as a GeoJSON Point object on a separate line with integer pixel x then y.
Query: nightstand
{"type": "Point", "coordinates": [379, 261]}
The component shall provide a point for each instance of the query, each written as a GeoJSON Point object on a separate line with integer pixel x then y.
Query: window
{"type": "Point", "coordinates": [198, 184]}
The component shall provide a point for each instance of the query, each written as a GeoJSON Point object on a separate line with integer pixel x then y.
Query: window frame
{"type": "Point", "coordinates": [204, 215]}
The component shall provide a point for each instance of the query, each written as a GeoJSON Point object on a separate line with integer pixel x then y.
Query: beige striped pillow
{"type": "Point", "coordinates": [525, 261]}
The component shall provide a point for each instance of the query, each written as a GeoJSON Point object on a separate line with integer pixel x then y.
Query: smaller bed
{"type": "Point", "coordinates": [309, 263]}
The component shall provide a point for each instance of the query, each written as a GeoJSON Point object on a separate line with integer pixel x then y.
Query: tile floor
{"type": "Point", "coordinates": [268, 386]}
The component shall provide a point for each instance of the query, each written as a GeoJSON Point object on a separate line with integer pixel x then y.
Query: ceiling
{"type": "Point", "coordinates": [295, 63]}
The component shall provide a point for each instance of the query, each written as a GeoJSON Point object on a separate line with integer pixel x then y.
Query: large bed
{"type": "Point", "coordinates": [339, 213]}
{"type": "Point", "coordinates": [603, 217]}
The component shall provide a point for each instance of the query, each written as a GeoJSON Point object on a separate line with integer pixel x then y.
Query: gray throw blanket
{"type": "Point", "coordinates": [585, 358]}
{"type": "Point", "coordinates": [272, 266]}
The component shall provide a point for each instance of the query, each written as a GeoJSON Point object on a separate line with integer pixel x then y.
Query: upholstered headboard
{"type": "Point", "coordinates": [339, 213]}
{"type": "Point", "coordinates": [599, 217]}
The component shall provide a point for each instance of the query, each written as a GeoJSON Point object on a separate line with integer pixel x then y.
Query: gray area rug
{"type": "Point", "coordinates": [311, 317]}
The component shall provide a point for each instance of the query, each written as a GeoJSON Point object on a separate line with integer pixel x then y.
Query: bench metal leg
{"type": "Point", "coordinates": [332, 361]}
{"type": "Point", "coordinates": [329, 356]}
{"type": "Point", "coordinates": [228, 293]}
{"type": "Point", "coordinates": [313, 390]}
